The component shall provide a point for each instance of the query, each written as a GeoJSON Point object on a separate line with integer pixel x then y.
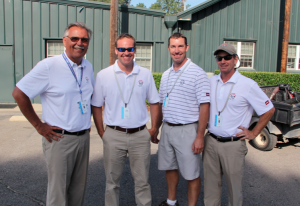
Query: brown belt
{"type": "Point", "coordinates": [175, 125]}
{"type": "Point", "coordinates": [127, 130]}
{"type": "Point", "coordinates": [70, 133]}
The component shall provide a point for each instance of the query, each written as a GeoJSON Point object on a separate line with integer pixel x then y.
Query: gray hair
{"type": "Point", "coordinates": [78, 24]}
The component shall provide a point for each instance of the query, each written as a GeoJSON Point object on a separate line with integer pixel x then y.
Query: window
{"type": "Point", "coordinates": [245, 50]}
{"type": "Point", "coordinates": [54, 47]}
{"type": "Point", "coordinates": [143, 55]}
{"type": "Point", "coordinates": [293, 60]}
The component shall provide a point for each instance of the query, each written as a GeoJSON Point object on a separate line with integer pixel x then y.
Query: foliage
{"type": "Point", "coordinates": [157, 78]}
{"type": "Point", "coordinates": [170, 6]}
{"type": "Point", "coordinates": [142, 5]}
{"type": "Point", "coordinates": [121, 2]}
{"type": "Point", "coordinates": [273, 78]}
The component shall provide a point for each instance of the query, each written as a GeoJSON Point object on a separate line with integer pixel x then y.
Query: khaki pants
{"type": "Point", "coordinates": [116, 146]}
{"type": "Point", "coordinates": [67, 164]}
{"type": "Point", "coordinates": [226, 158]}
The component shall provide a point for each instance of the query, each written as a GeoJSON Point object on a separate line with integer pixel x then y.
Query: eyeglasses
{"type": "Point", "coordinates": [76, 39]}
{"type": "Point", "coordinates": [129, 49]}
{"type": "Point", "coordinates": [227, 57]}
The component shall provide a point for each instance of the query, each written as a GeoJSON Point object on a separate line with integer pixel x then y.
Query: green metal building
{"type": "Point", "coordinates": [31, 30]}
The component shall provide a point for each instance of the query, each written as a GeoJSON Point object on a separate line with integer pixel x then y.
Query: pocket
{"type": "Point", "coordinates": [45, 143]}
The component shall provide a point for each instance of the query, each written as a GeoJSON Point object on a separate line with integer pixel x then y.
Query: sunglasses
{"type": "Point", "coordinates": [129, 49]}
{"type": "Point", "coordinates": [76, 39]}
{"type": "Point", "coordinates": [227, 57]}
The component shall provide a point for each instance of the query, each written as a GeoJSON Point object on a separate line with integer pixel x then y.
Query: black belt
{"type": "Point", "coordinates": [127, 130]}
{"type": "Point", "coordinates": [225, 139]}
{"type": "Point", "coordinates": [70, 133]}
{"type": "Point", "coordinates": [175, 125]}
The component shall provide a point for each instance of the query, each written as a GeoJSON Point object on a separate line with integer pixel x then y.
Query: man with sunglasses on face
{"type": "Point", "coordinates": [184, 95]}
{"type": "Point", "coordinates": [121, 90]}
{"type": "Point", "coordinates": [65, 84]}
{"type": "Point", "coordinates": [233, 98]}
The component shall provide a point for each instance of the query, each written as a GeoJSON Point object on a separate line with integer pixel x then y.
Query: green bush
{"type": "Point", "coordinates": [157, 78]}
{"type": "Point", "coordinates": [273, 78]}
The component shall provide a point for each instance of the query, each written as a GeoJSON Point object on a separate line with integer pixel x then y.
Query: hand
{"type": "Point", "coordinates": [47, 131]}
{"type": "Point", "coordinates": [101, 133]}
{"type": "Point", "coordinates": [198, 145]}
{"type": "Point", "coordinates": [246, 133]}
{"type": "Point", "coordinates": [153, 135]}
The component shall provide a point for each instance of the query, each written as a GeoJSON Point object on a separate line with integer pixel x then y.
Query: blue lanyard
{"type": "Point", "coordinates": [72, 70]}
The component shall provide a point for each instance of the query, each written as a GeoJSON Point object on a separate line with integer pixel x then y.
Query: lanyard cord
{"type": "Point", "coordinates": [226, 100]}
{"type": "Point", "coordinates": [121, 90]}
{"type": "Point", "coordinates": [73, 72]}
{"type": "Point", "coordinates": [187, 64]}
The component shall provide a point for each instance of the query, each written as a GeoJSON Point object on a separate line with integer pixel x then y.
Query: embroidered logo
{"type": "Point", "coordinates": [224, 44]}
{"type": "Point", "coordinates": [232, 96]}
{"type": "Point", "coordinates": [141, 83]}
{"type": "Point", "coordinates": [267, 102]}
{"type": "Point", "coordinates": [181, 82]}
{"type": "Point", "coordinates": [87, 79]}
{"type": "Point", "coordinates": [207, 94]}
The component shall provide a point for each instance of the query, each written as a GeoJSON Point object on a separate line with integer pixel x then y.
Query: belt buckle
{"type": "Point", "coordinates": [63, 132]}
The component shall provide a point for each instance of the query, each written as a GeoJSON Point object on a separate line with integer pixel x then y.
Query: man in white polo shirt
{"type": "Point", "coordinates": [184, 95]}
{"type": "Point", "coordinates": [65, 84]}
{"type": "Point", "coordinates": [121, 90]}
{"type": "Point", "coordinates": [233, 98]}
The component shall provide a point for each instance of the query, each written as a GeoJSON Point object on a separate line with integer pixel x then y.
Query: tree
{"type": "Point", "coordinates": [142, 5]}
{"type": "Point", "coordinates": [121, 2]}
{"type": "Point", "coordinates": [170, 6]}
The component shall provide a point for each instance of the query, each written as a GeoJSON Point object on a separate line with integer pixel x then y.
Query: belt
{"type": "Point", "coordinates": [70, 133]}
{"type": "Point", "coordinates": [175, 125]}
{"type": "Point", "coordinates": [127, 130]}
{"type": "Point", "coordinates": [225, 139]}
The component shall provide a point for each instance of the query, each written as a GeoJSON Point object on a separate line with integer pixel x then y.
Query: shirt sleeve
{"type": "Point", "coordinates": [152, 94]}
{"type": "Point", "coordinates": [36, 81]}
{"type": "Point", "coordinates": [98, 95]}
{"type": "Point", "coordinates": [259, 100]}
{"type": "Point", "coordinates": [202, 88]}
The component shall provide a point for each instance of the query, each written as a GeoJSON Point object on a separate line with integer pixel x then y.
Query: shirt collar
{"type": "Point", "coordinates": [136, 68]}
{"type": "Point", "coordinates": [83, 63]}
{"type": "Point", "coordinates": [233, 78]}
{"type": "Point", "coordinates": [182, 67]}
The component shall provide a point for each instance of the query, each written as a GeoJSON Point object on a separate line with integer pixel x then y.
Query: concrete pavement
{"type": "Point", "coordinates": [271, 178]}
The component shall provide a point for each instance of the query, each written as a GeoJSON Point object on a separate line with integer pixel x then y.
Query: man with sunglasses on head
{"type": "Point", "coordinates": [184, 96]}
{"type": "Point", "coordinates": [233, 98]}
{"type": "Point", "coordinates": [120, 92]}
{"type": "Point", "coordinates": [65, 84]}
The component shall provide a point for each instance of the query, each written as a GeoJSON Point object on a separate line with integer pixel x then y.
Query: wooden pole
{"type": "Point", "coordinates": [286, 33]}
{"type": "Point", "coordinates": [114, 7]}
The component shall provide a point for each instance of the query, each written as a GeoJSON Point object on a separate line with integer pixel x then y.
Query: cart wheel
{"type": "Point", "coordinates": [264, 141]}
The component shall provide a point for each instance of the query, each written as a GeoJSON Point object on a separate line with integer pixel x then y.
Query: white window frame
{"type": "Point", "coordinates": [151, 47]}
{"type": "Point", "coordinates": [239, 51]}
{"type": "Point", "coordinates": [297, 61]}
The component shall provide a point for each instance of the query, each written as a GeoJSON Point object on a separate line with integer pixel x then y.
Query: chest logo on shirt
{"type": "Point", "coordinates": [232, 96]}
{"type": "Point", "coordinates": [87, 80]}
{"type": "Point", "coordinates": [181, 82]}
{"type": "Point", "coordinates": [141, 83]}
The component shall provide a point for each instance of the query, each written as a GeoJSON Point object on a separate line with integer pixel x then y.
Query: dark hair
{"type": "Point", "coordinates": [177, 35]}
{"type": "Point", "coordinates": [125, 35]}
{"type": "Point", "coordinates": [78, 24]}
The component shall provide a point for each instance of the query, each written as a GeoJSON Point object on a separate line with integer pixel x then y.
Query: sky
{"type": "Point", "coordinates": [149, 2]}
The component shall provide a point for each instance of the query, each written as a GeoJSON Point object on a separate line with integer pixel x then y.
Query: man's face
{"type": "Point", "coordinates": [76, 50]}
{"type": "Point", "coordinates": [178, 49]}
{"type": "Point", "coordinates": [226, 66]}
{"type": "Point", "coordinates": [125, 58]}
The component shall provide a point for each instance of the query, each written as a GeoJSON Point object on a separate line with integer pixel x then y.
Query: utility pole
{"type": "Point", "coordinates": [114, 8]}
{"type": "Point", "coordinates": [286, 33]}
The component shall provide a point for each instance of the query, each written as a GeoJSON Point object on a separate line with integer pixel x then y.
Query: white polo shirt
{"type": "Point", "coordinates": [53, 80]}
{"type": "Point", "coordinates": [245, 96]}
{"type": "Point", "coordinates": [107, 94]}
{"type": "Point", "coordinates": [191, 89]}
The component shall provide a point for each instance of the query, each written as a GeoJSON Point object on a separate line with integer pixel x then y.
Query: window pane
{"type": "Point", "coordinates": [292, 51]}
{"type": "Point", "coordinates": [246, 60]}
{"type": "Point", "coordinates": [54, 47]}
{"type": "Point", "coordinates": [144, 62]}
{"type": "Point", "coordinates": [143, 51]}
{"type": "Point", "coordinates": [233, 43]}
{"type": "Point", "coordinates": [247, 48]}
{"type": "Point", "coordinates": [291, 63]}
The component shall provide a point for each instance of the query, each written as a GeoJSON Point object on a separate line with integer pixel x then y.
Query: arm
{"type": "Point", "coordinates": [26, 108]}
{"type": "Point", "coordinates": [98, 119]}
{"type": "Point", "coordinates": [155, 116]}
{"type": "Point", "coordinates": [198, 144]}
{"type": "Point", "coordinates": [262, 122]}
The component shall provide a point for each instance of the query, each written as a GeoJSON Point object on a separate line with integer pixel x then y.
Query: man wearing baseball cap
{"type": "Point", "coordinates": [233, 98]}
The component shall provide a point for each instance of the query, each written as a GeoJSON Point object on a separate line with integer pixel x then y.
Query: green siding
{"type": "Point", "coordinates": [18, 27]}
{"type": "Point", "coordinates": [295, 22]}
{"type": "Point", "coordinates": [2, 23]}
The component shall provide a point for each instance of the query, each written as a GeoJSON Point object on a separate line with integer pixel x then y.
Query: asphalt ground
{"type": "Point", "coordinates": [270, 178]}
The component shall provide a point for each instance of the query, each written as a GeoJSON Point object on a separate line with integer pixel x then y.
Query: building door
{"type": "Point", "coordinates": [7, 80]}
